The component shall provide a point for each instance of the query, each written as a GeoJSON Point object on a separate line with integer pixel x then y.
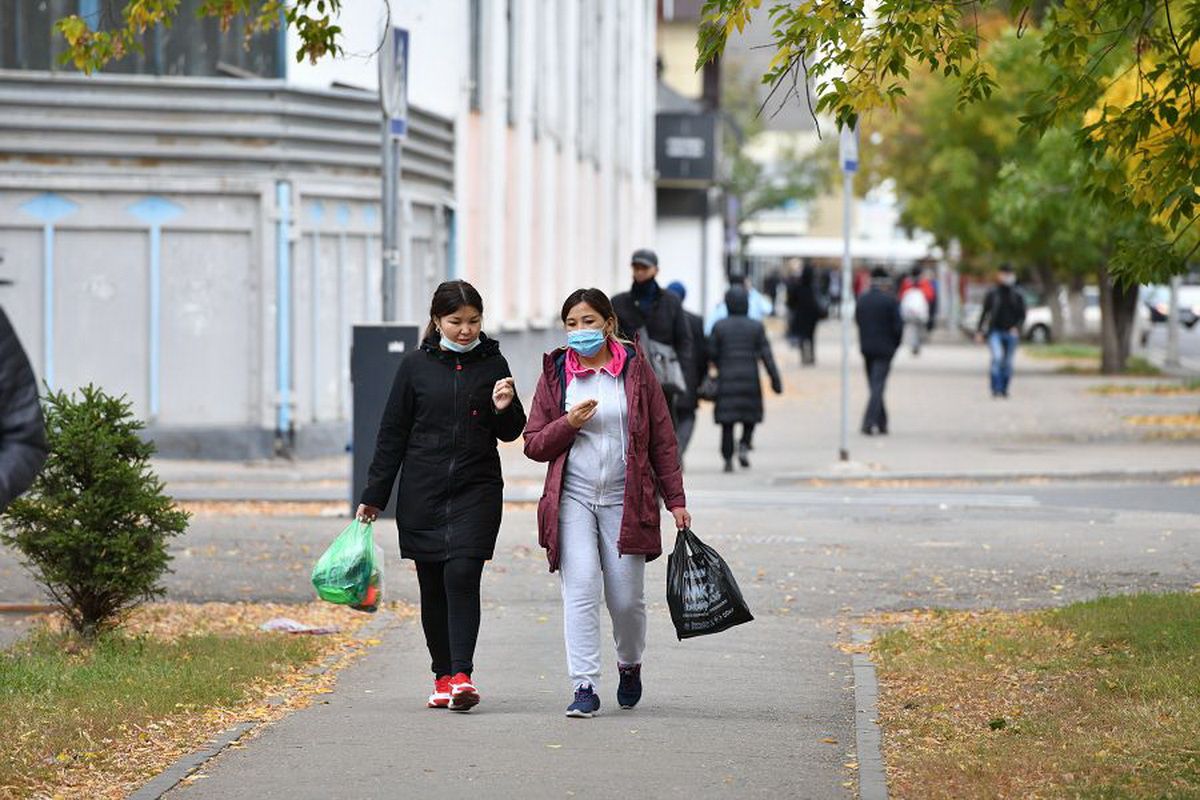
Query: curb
{"type": "Point", "coordinates": [868, 739]}
{"type": "Point", "coordinates": [1100, 476]}
{"type": "Point", "coordinates": [172, 776]}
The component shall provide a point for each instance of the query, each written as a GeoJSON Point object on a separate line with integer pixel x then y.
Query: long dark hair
{"type": "Point", "coordinates": [448, 298]}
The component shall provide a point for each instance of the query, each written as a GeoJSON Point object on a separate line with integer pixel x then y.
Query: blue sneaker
{"type": "Point", "coordinates": [629, 690]}
{"type": "Point", "coordinates": [586, 703]}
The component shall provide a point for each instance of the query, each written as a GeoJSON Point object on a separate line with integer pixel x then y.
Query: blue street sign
{"type": "Point", "coordinates": [393, 82]}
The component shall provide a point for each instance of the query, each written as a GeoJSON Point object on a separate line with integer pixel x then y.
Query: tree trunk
{"type": "Point", "coordinates": [1050, 288]}
{"type": "Point", "coordinates": [1118, 304]}
{"type": "Point", "coordinates": [1076, 323]}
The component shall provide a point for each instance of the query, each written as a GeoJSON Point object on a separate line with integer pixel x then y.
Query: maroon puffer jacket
{"type": "Point", "coordinates": [652, 457]}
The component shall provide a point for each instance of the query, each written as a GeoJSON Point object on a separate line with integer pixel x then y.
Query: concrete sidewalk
{"type": "Point", "coordinates": [944, 424]}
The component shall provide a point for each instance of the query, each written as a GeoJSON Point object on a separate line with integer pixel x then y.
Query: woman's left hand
{"type": "Point", "coordinates": [682, 518]}
{"type": "Point", "coordinates": [503, 393]}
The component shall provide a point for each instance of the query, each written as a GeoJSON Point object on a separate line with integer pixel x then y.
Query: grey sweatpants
{"type": "Point", "coordinates": [588, 558]}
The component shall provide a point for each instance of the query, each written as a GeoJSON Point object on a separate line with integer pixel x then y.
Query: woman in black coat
{"type": "Point", "coordinates": [451, 400]}
{"type": "Point", "coordinates": [804, 307]}
{"type": "Point", "coordinates": [736, 346]}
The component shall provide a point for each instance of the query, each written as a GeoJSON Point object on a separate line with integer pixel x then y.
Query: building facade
{"type": "Point", "coordinates": [198, 227]}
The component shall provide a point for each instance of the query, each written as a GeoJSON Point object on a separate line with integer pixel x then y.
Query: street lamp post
{"type": "Point", "coordinates": [393, 101]}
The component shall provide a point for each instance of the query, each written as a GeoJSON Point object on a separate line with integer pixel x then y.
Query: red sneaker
{"type": "Point", "coordinates": [463, 694]}
{"type": "Point", "coordinates": [441, 693]}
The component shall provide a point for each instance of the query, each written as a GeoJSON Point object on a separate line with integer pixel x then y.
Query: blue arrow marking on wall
{"type": "Point", "coordinates": [343, 214]}
{"type": "Point", "coordinates": [155, 211]}
{"type": "Point", "coordinates": [49, 208]}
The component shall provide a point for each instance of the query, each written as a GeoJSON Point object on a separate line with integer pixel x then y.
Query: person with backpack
{"type": "Point", "coordinates": [1002, 317]}
{"type": "Point", "coordinates": [600, 422]}
{"type": "Point", "coordinates": [647, 308]}
{"type": "Point", "coordinates": [736, 346]}
{"type": "Point", "coordinates": [451, 400]}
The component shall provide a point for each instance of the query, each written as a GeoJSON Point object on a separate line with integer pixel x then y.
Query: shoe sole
{"type": "Point", "coordinates": [464, 701]}
{"type": "Point", "coordinates": [441, 702]}
{"type": "Point", "coordinates": [576, 714]}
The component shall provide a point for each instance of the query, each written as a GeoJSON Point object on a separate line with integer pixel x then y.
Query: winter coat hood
{"type": "Point", "coordinates": [737, 301]}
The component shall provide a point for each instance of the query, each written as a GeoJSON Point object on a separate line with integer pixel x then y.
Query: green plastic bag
{"type": "Point", "coordinates": [350, 571]}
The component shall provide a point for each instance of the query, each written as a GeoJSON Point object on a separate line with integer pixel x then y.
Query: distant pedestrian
{"type": "Point", "coordinates": [647, 307]}
{"type": "Point", "coordinates": [694, 372]}
{"type": "Point", "coordinates": [759, 306]}
{"type": "Point", "coordinates": [1000, 322]}
{"type": "Point", "coordinates": [915, 307]}
{"type": "Point", "coordinates": [451, 400]}
{"type": "Point", "coordinates": [600, 421]}
{"type": "Point", "coordinates": [22, 429]}
{"type": "Point", "coordinates": [736, 346]}
{"type": "Point", "coordinates": [805, 310]}
{"type": "Point", "coordinates": [880, 331]}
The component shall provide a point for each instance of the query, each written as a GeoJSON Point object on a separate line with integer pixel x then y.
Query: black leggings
{"type": "Point", "coordinates": [450, 612]}
{"type": "Point", "coordinates": [727, 437]}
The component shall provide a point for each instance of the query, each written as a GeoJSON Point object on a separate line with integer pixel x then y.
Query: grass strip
{"type": "Point", "coordinates": [1148, 389]}
{"type": "Point", "coordinates": [96, 720]}
{"type": "Point", "coordinates": [1095, 700]}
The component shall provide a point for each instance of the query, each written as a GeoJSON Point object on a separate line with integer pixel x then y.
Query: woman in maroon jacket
{"type": "Point", "coordinates": [601, 422]}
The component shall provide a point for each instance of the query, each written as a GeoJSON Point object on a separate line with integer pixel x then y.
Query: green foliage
{"type": "Point", "coordinates": [93, 529]}
{"type": "Point", "coordinates": [313, 20]}
{"type": "Point", "coordinates": [1124, 73]}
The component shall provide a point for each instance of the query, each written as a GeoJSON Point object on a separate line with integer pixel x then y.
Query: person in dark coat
{"type": "Point", "coordinates": [880, 331]}
{"type": "Point", "coordinates": [804, 310]}
{"type": "Point", "coordinates": [1002, 319]}
{"type": "Point", "coordinates": [736, 346]}
{"type": "Point", "coordinates": [694, 372]}
{"type": "Point", "coordinates": [22, 429]}
{"type": "Point", "coordinates": [599, 420]}
{"type": "Point", "coordinates": [647, 306]}
{"type": "Point", "coordinates": [451, 400]}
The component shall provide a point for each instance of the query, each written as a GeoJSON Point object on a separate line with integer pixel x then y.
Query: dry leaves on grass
{"type": "Point", "coordinates": [120, 765]}
{"type": "Point", "coordinates": [263, 508]}
{"type": "Point", "coordinates": [1189, 421]}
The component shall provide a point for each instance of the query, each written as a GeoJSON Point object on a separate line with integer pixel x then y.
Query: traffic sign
{"type": "Point", "coordinates": [393, 82]}
{"type": "Point", "coordinates": [848, 149]}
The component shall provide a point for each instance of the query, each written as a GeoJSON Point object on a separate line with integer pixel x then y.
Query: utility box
{"type": "Point", "coordinates": [375, 355]}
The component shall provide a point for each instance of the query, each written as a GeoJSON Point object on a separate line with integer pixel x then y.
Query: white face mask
{"type": "Point", "coordinates": [1008, 279]}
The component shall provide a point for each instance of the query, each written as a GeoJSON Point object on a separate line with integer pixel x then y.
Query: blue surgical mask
{"type": "Point", "coordinates": [586, 342]}
{"type": "Point", "coordinates": [450, 344]}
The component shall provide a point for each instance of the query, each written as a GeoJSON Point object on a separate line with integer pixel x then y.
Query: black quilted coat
{"type": "Point", "coordinates": [736, 346]}
{"type": "Point", "coordinates": [22, 431]}
{"type": "Point", "coordinates": [439, 431]}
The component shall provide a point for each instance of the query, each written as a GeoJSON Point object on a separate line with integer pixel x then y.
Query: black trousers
{"type": "Point", "coordinates": [685, 425]}
{"type": "Point", "coordinates": [877, 375]}
{"type": "Point", "coordinates": [727, 437]}
{"type": "Point", "coordinates": [450, 612]}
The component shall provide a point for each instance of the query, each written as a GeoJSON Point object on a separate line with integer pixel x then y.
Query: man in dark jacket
{"type": "Point", "coordinates": [1002, 317]}
{"type": "Point", "coordinates": [647, 306]}
{"type": "Point", "coordinates": [880, 330]}
{"type": "Point", "coordinates": [694, 372]}
{"type": "Point", "coordinates": [22, 431]}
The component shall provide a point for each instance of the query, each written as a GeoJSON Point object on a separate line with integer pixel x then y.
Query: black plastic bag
{"type": "Point", "coordinates": [701, 591]}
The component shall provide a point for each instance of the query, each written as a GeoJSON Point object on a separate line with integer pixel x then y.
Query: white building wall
{"type": "Point", "coordinates": [558, 196]}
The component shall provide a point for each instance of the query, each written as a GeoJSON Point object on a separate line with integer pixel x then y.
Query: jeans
{"type": "Point", "coordinates": [450, 612]}
{"type": "Point", "coordinates": [877, 374]}
{"type": "Point", "coordinates": [727, 438]}
{"type": "Point", "coordinates": [588, 562]}
{"type": "Point", "coordinates": [1003, 346]}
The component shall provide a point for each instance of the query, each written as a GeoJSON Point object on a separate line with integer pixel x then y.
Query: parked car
{"type": "Point", "coordinates": [1158, 304]}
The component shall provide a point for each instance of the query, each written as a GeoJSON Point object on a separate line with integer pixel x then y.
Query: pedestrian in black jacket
{"type": "Point", "coordinates": [736, 346]}
{"type": "Point", "coordinates": [1001, 319]}
{"type": "Point", "coordinates": [22, 431]}
{"type": "Point", "coordinates": [450, 401]}
{"type": "Point", "coordinates": [804, 310]}
{"type": "Point", "coordinates": [647, 306]}
{"type": "Point", "coordinates": [694, 372]}
{"type": "Point", "coordinates": [880, 330]}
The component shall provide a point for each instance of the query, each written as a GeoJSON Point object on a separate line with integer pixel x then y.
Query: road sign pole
{"type": "Point", "coordinates": [848, 156]}
{"type": "Point", "coordinates": [393, 101]}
